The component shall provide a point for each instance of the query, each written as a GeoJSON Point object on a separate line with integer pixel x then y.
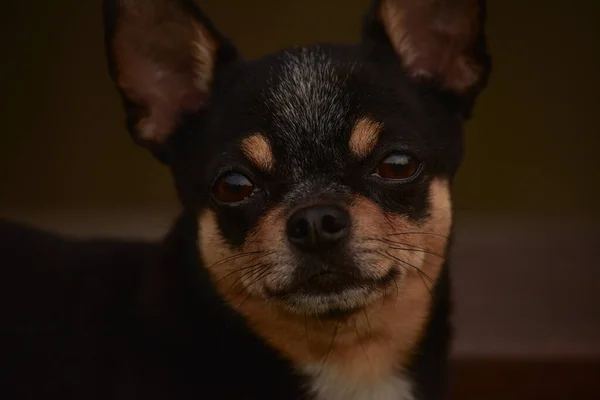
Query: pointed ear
{"type": "Point", "coordinates": [441, 41]}
{"type": "Point", "coordinates": [163, 56]}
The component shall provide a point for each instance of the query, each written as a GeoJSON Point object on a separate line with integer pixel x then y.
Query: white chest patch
{"type": "Point", "coordinates": [327, 384]}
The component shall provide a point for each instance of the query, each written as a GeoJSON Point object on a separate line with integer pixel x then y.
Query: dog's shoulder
{"type": "Point", "coordinates": [51, 278]}
{"type": "Point", "coordinates": [34, 254]}
{"type": "Point", "coordinates": [66, 307]}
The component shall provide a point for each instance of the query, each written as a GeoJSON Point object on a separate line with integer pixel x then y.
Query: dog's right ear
{"type": "Point", "coordinates": [163, 56]}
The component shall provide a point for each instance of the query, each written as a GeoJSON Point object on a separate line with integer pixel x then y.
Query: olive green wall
{"type": "Point", "coordinates": [532, 146]}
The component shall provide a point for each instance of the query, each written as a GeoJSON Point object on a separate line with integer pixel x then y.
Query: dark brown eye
{"type": "Point", "coordinates": [232, 188]}
{"type": "Point", "coordinates": [398, 166]}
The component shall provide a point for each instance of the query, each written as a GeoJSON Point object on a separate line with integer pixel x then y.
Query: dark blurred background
{"type": "Point", "coordinates": [527, 257]}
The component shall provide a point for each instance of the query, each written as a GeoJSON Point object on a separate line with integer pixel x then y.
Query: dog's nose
{"type": "Point", "coordinates": [318, 228]}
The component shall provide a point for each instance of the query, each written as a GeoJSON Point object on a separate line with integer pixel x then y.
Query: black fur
{"type": "Point", "coordinates": [114, 320]}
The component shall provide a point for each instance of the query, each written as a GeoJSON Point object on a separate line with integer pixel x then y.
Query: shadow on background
{"type": "Point", "coordinates": [526, 265]}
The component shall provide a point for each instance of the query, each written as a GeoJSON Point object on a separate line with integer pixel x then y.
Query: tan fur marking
{"type": "Point", "coordinates": [370, 344]}
{"type": "Point", "coordinates": [364, 137]}
{"type": "Point", "coordinates": [258, 150]}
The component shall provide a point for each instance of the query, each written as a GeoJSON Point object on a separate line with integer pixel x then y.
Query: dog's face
{"type": "Point", "coordinates": [321, 175]}
{"type": "Point", "coordinates": [327, 193]}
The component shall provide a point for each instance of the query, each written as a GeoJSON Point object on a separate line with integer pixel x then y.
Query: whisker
{"type": "Point", "coordinates": [256, 268]}
{"type": "Point", "coordinates": [306, 331]}
{"type": "Point", "coordinates": [425, 261]}
{"type": "Point", "coordinates": [396, 284]}
{"type": "Point", "coordinates": [419, 233]}
{"type": "Point", "coordinates": [361, 343]}
{"type": "Point", "coordinates": [411, 265]}
{"type": "Point", "coordinates": [387, 217]}
{"type": "Point", "coordinates": [417, 250]}
{"type": "Point", "coordinates": [422, 273]}
{"type": "Point", "coordinates": [238, 270]}
{"type": "Point", "coordinates": [425, 283]}
{"type": "Point", "coordinates": [335, 332]}
{"type": "Point", "coordinates": [261, 275]}
{"type": "Point", "coordinates": [319, 320]}
{"type": "Point", "coordinates": [368, 322]}
{"type": "Point", "coordinates": [411, 247]}
{"type": "Point", "coordinates": [237, 256]}
{"type": "Point", "coordinates": [243, 301]}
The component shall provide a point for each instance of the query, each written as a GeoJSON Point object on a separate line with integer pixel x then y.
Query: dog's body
{"type": "Point", "coordinates": [115, 320]}
{"type": "Point", "coordinates": [309, 260]}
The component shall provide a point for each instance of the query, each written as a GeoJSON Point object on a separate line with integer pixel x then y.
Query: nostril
{"type": "Point", "coordinates": [318, 228]}
{"type": "Point", "coordinates": [332, 225]}
{"type": "Point", "coordinates": [300, 229]}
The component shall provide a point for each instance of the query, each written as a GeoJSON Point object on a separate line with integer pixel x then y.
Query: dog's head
{"type": "Point", "coordinates": [320, 175]}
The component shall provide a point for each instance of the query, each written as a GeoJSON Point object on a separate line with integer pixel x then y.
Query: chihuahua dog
{"type": "Point", "coordinates": [309, 261]}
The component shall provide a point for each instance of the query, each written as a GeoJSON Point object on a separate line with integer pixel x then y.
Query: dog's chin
{"type": "Point", "coordinates": [331, 306]}
{"type": "Point", "coordinates": [331, 301]}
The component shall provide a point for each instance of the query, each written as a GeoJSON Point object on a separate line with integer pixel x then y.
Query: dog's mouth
{"type": "Point", "coordinates": [333, 295]}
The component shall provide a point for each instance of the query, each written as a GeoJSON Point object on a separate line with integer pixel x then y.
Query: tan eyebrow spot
{"type": "Point", "coordinates": [364, 137]}
{"type": "Point", "coordinates": [258, 150]}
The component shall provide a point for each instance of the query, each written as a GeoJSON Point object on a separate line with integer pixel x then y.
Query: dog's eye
{"type": "Point", "coordinates": [232, 188]}
{"type": "Point", "coordinates": [398, 166]}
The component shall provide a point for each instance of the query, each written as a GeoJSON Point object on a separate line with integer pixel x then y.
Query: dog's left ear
{"type": "Point", "coordinates": [163, 56]}
{"type": "Point", "coordinates": [437, 41]}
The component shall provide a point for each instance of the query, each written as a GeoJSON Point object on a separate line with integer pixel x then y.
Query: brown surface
{"type": "Point", "coordinates": [520, 379]}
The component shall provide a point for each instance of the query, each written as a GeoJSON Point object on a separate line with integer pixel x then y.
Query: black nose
{"type": "Point", "coordinates": [318, 228]}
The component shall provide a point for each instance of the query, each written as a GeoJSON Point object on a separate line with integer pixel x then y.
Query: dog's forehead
{"type": "Point", "coordinates": [306, 103]}
{"type": "Point", "coordinates": [308, 94]}
{"type": "Point", "coordinates": [309, 105]}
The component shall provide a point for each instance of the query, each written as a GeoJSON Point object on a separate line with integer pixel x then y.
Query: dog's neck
{"type": "Point", "coordinates": [420, 375]}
